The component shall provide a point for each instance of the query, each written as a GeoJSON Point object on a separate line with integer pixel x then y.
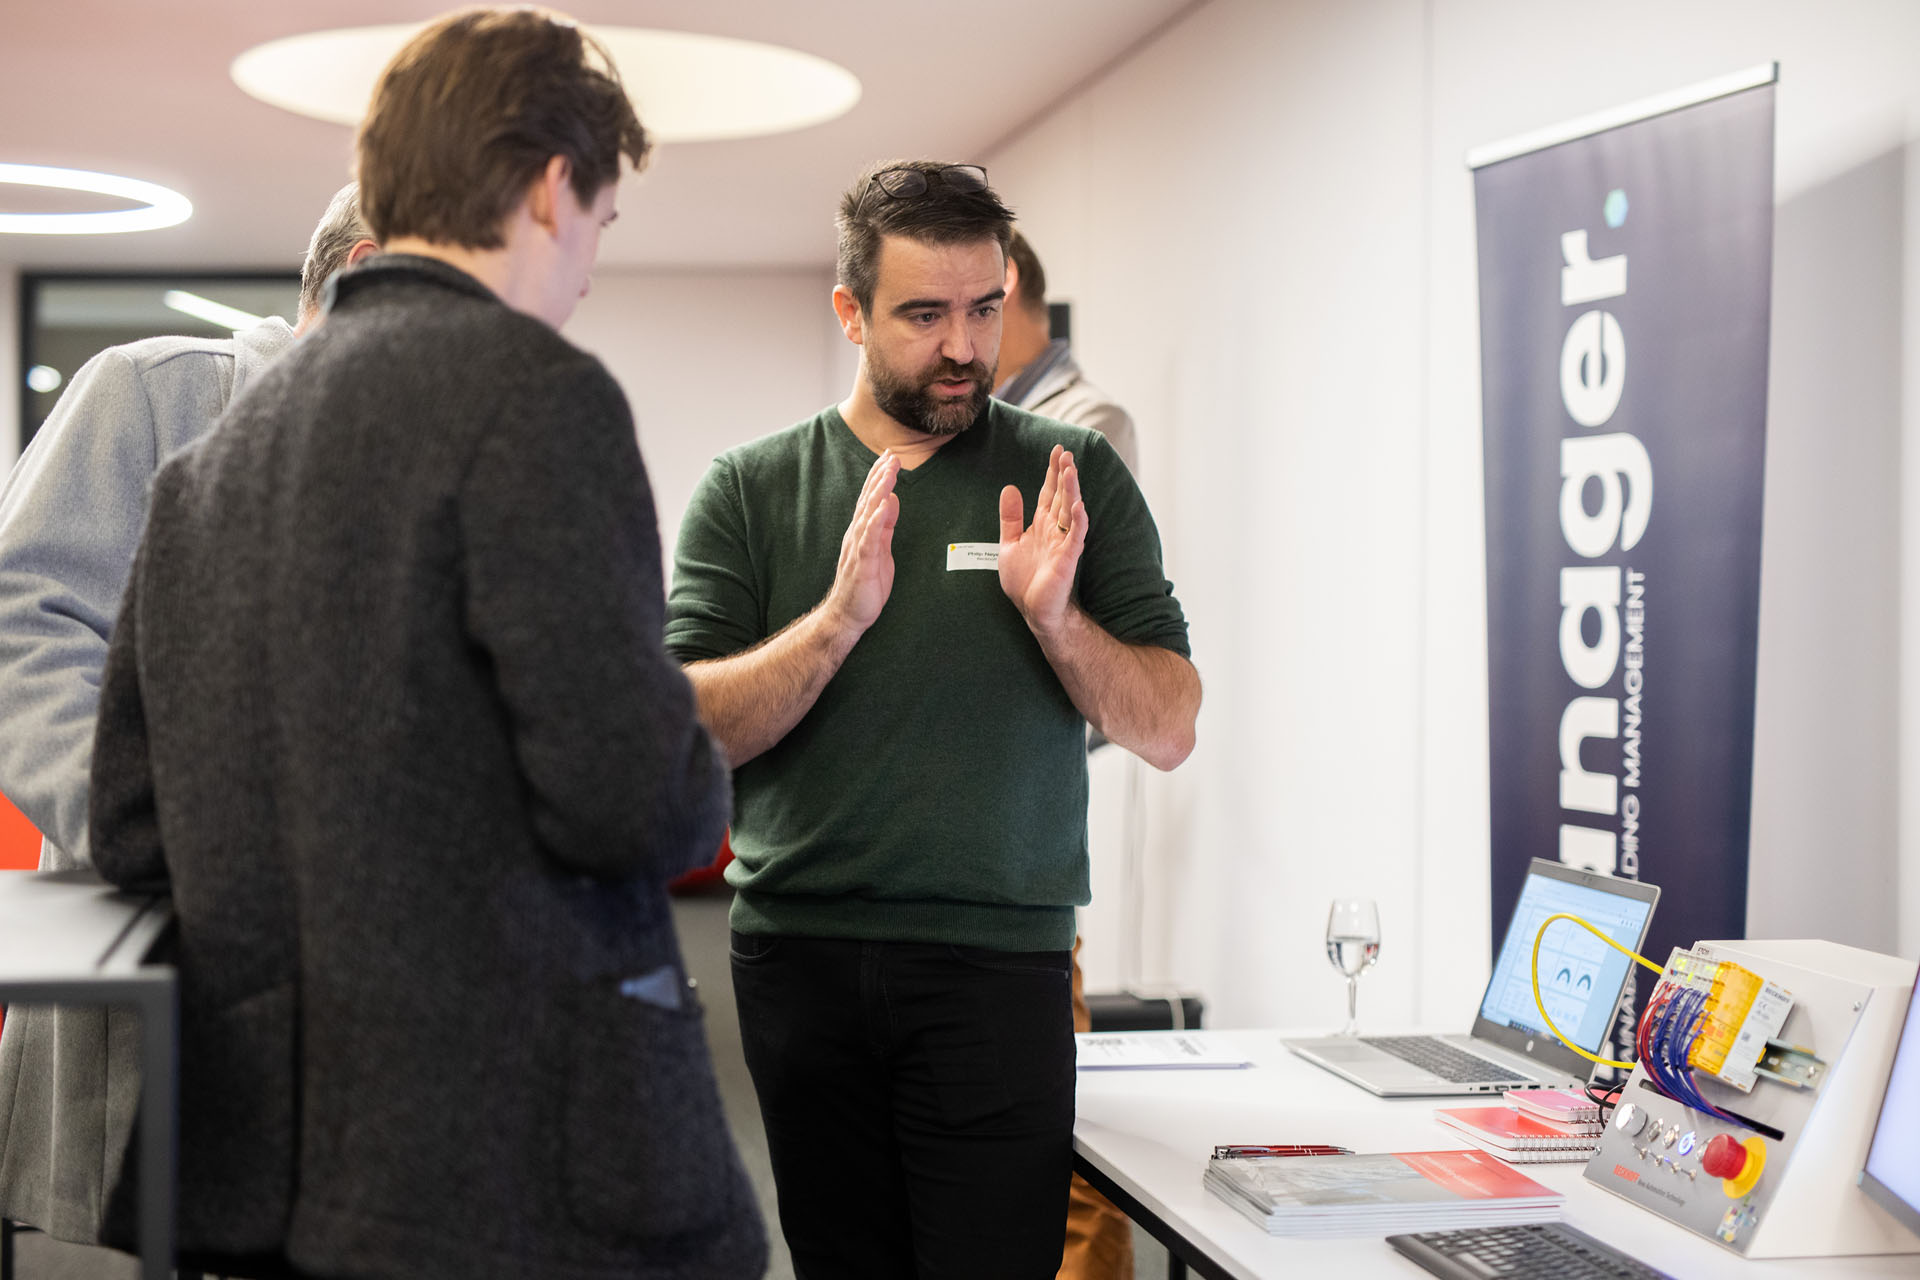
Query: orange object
{"type": "Point", "coordinates": [19, 847]}
{"type": "Point", "coordinates": [703, 877]}
{"type": "Point", "coordinates": [19, 842]}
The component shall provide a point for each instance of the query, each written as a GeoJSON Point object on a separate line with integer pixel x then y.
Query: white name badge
{"type": "Point", "coordinates": [973, 555]}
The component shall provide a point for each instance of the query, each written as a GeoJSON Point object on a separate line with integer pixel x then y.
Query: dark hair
{"type": "Point", "coordinates": [1030, 290]}
{"type": "Point", "coordinates": [468, 114]}
{"type": "Point", "coordinates": [341, 227]}
{"type": "Point", "coordinates": [944, 213]}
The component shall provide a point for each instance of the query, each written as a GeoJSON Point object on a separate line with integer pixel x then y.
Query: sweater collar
{"type": "Point", "coordinates": [403, 268]}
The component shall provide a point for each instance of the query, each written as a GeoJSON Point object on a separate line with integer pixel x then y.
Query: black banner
{"type": "Point", "coordinates": [1625, 277]}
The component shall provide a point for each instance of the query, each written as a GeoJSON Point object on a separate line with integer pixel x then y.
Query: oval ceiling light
{"type": "Point", "coordinates": [686, 87]}
{"type": "Point", "coordinates": [159, 206]}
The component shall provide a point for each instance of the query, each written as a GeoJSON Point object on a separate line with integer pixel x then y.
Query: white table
{"type": "Point", "coordinates": [1148, 1134]}
{"type": "Point", "coordinates": [67, 937]}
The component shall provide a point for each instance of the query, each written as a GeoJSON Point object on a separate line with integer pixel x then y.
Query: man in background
{"type": "Point", "coordinates": [1039, 374]}
{"type": "Point", "coordinates": [387, 711]}
{"type": "Point", "coordinates": [70, 519]}
{"type": "Point", "coordinates": [906, 705]}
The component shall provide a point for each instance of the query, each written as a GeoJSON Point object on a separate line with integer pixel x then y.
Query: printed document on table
{"type": "Point", "coordinates": [1152, 1051]}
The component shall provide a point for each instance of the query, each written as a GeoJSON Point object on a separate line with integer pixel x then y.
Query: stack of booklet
{"type": "Point", "coordinates": [1537, 1126]}
{"type": "Point", "coordinates": [1378, 1195]}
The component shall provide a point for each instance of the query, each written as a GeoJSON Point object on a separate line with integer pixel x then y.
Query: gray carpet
{"type": "Point", "coordinates": [702, 921]}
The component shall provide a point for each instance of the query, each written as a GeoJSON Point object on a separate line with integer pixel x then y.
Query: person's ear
{"type": "Point", "coordinates": [1013, 280]}
{"type": "Point", "coordinates": [847, 308]}
{"type": "Point", "coordinates": [361, 251]}
{"type": "Point", "coordinates": [544, 195]}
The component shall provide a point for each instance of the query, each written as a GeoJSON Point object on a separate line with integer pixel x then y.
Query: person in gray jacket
{"type": "Point", "coordinates": [388, 712]}
{"type": "Point", "coordinates": [1038, 372]}
{"type": "Point", "coordinates": [70, 518]}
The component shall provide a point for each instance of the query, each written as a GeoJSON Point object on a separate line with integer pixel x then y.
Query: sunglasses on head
{"type": "Point", "coordinates": [905, 184]}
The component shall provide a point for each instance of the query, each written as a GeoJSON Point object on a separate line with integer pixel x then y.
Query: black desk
{"type": "Point", "coordinates": [67, 937]}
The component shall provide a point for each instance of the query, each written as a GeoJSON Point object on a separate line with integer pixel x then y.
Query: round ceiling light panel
{"type": "Point", "coordinates": [157, 206]}
{"type": "Point", "coordinates": [686, 87]}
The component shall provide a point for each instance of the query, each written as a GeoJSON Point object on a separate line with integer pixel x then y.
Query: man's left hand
{"type": "Point", "coordinates": [1037, 562]}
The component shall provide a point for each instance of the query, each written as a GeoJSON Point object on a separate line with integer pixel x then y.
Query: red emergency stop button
{"type": "Point", "coordinates": [1724, 1157]}
{"type": "Point", "coordinates": [1737, 1162]}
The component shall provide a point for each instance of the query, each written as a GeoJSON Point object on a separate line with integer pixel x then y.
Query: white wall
{"type": "Point", "coordinates": [712, 359]}
{"type": "Point", "coordinates": [1264, 220]}
{"type": "Point", "coordinates": [1209, 208]}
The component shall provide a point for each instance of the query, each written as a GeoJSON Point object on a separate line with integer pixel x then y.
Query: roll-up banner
{"type": "Point", "coordinates": [1625, 276]}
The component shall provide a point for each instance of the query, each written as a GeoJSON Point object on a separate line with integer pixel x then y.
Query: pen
{"type": "Point", "coordinates": [1239, 1150]}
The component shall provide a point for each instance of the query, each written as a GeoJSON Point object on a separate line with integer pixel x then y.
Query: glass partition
{"type": "Point", "coordinates": [68, 319]}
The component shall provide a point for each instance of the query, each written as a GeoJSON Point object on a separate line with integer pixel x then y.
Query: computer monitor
{"type": "Point", "coordinates": [1892, 1175]}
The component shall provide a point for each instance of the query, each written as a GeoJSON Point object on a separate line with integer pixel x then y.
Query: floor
{"type": "Point", "coordinates": [702, 921]}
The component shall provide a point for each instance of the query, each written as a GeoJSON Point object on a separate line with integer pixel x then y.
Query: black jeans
{"type": "Point", "coordinates": [918, 1100]}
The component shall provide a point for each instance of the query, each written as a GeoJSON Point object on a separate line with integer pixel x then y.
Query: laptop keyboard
{"type": "Point", "coordinates": [1544, 1251]}
{"type": "Point", "coordinates": [1441, 1058]}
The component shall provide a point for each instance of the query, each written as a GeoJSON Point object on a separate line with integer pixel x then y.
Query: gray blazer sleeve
{"type": "Point", "coordinates": [70, 520]}
{"type": "Point", "coordinates": [125, 818]}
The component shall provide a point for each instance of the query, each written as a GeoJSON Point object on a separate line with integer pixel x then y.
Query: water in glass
{"type": "Point", "coordinates": [1353, 945]}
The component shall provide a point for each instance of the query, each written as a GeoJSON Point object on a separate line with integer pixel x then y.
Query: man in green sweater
{"type": "Point", "coordinates": [901, 668]}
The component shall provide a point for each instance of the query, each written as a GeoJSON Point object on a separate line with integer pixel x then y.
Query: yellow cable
{"type": "Point", "coordinates": [1540, 1004]}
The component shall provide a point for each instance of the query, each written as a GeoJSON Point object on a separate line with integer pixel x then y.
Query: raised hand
{"type": "Point", "coordinates": [1037, 562]}
{"type": "Point", "coordinates": [864, 577]}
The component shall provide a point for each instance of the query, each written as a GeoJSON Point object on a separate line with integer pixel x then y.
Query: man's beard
{"type": "Point", "coordinates": [912, 403]}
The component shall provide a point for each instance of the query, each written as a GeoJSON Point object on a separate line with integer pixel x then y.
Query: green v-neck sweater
{"type": "Point", "coordinates": [937, 790]}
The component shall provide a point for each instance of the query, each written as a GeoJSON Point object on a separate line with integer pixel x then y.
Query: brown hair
{"type": "Point", "coordinates": [1030, 289]}
{"type": "Point", "coordinates": [468, 114]}
{"type": "Point", "coordinates": [943, 213]}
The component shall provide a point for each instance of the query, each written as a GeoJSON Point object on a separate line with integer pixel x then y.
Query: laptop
{"type": "Point", "coordinates": [1581, 979]}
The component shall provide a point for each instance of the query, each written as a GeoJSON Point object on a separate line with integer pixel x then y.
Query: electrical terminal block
{"type": "Point", "coordinates": [1742, 1012]}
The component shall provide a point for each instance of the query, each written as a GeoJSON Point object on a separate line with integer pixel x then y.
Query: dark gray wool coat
{"type": "Point", "coordinates": [387, 711]}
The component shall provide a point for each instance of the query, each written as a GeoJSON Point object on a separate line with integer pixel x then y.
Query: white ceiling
{"type": "Point", "coordinates": [140, 88]}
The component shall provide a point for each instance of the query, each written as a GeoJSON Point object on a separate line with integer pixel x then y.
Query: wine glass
{"type": "Point", "coordinates": [1353, 944]}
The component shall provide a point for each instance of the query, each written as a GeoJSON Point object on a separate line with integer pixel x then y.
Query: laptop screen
{"type": "Point", "coordinates": [1580, 976]}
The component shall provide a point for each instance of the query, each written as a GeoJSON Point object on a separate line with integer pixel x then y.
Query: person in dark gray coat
{"type": "Point", "coordinates": [387, 712]}
{"type": "Point", "coordinates": [70, 519]}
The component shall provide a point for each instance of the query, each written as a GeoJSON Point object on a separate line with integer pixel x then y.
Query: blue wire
{"type": "Point", "coordinates": [1681, 1069]}
{"type": "Point", "coordinates": [1651, 1061]}
{"type": "Point", "coordinates": [1674, 1019]}
{"type": "Point", "coordinates": [1708, 1107]}
{"type": "Point", "coordinates": [1680, 1017]}
{"type": "Point", "coordinates": [1660, 1055]}
{"type": "Point", "coordinates": [1699, 1100]}
{"type": "Point", "coordinates": [1682, 1072]}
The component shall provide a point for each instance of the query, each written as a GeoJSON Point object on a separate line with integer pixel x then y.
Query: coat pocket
{"type": "Point", "coordinates": [646, 1147]}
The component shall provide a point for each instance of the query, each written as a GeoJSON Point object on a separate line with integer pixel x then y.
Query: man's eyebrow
{"type": "Point", "coordinates": [941, 304]}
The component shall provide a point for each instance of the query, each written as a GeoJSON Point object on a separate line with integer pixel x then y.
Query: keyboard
{"type": "Point", "coordinates": [1548, 1250]}
{"type": "Point", "coordinates": [1443, 1059]}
